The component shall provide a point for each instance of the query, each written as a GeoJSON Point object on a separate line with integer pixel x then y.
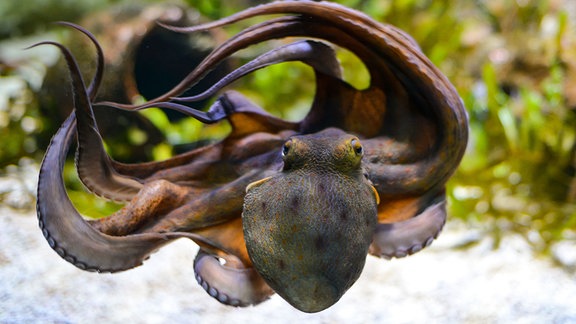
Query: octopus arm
{"type": "Point", "coordinates": [110, 179]}
{"type": "Point", "coordinates": [403, 238]}
{"type": "Point", "coordinates": [240, 41]}
{"type": "Point", "coordinates": [93, 163]}
{"type": "Point", "coordinates": [235, 286]}
{"type": "Point", "coordinates": [319, 56]}
{"type": "Point", "coordinates": [69, 234]}
{"type": "Point", "coordinates": [98, 74]}
{"type": "Point", "coordinates": [72, 237]}
{"type": "Point", "coordinates": [393, 60]}
{"type": "Point", "coordinates": [224, 269]}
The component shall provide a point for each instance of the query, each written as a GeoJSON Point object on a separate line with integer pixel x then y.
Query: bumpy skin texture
{"type": "Point", "coordinates": [410, 119]}
{"type": "Point", "coordinates": [308, 228]}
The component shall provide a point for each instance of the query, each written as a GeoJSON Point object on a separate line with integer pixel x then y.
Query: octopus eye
{"type": "Point", "coordinates": [286, 148]}
{"type": "Point", "coordinates": [358, 149]}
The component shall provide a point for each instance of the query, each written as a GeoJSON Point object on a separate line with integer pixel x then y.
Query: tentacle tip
{"type": "Point", "coordinates": [164, 25]}
{"type": "Point", "coordinates": [63, 23]}
{"type": "Point", "coordinates": [40, 44]}
{"type": "Point", "coordinates": [173, 28]}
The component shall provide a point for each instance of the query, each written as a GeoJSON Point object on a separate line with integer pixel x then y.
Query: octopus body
{"type": "Point", "coordinates": [310, 214]}
{"type": "Point", "coordinates": [309, 227]}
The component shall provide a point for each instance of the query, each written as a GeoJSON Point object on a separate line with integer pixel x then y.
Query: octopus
{"type": "Point", "coordinates": [276, 206]}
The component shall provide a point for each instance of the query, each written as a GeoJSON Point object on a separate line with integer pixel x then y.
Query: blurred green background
{"type": "Point", "coordinates": [513, 63]}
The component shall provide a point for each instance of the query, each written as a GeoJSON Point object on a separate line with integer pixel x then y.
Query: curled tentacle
{"type": "Point", "coordinates": [71, 236]}
{"type": "Point", "coordinates": [219, 110]}
{"type": "Point", "coordinates": [244, 116]}
{"type": "Point", "coordinates": [235, 286]}
{"type": "Point", "coordinates": [407, 237]}
{"type": "Point", "coordinates": [319, 56]}
{"type": "Point", "coordinates": [68, 233]}
{"type": "Point", "coordinates": [112, 183]}
{"type": "Point", "coordinates": [97, 78]}
{"type": "Point", "coordinates": [238, 42]}
{"type": "Point", "coordinates": [74, 239]}
{"type": "Point", "coordinates": [392, 60]}
{"type": "Point", "coordinates": [93, 163]}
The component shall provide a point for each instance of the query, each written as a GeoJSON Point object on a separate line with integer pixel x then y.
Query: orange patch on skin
{"type": "Point", "coordinates": [391, 211]}
{"type": "Point", "coordinates": [376, 195]}
{"type": "Point", "coordinates": [229, 237]}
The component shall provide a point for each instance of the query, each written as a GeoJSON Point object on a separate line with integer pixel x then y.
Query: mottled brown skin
{"type": "Point", "coordinates": [308, 228]}
{"type": "Point", "coordinates": [410, 119]}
